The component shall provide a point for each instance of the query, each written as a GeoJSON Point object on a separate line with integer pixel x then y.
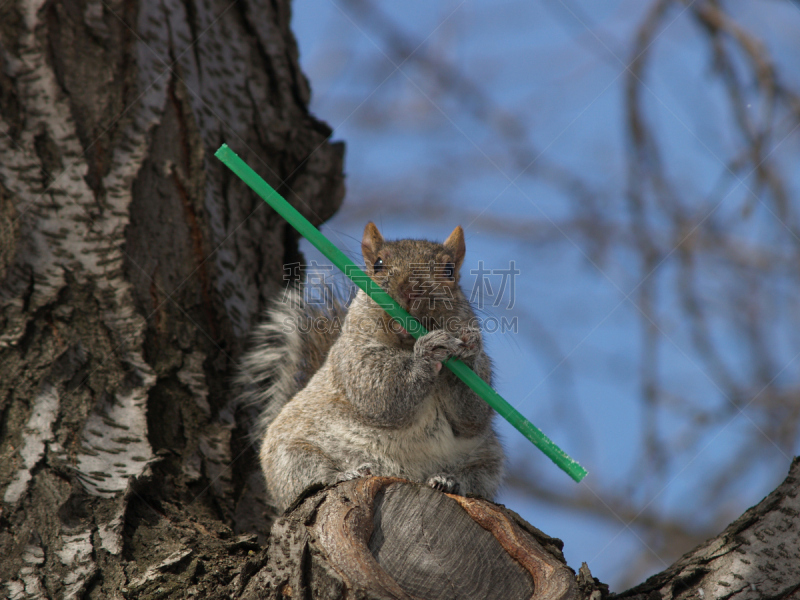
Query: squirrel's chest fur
{"type": "Point", "coordinates": [417, 450]}
{"type": "Point", "coordinates": [424, 446]}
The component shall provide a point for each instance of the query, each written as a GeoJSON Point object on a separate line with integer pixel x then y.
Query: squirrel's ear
{"type": "Point", "coordinates": [455, 244]}
{"type": "Point", "coordinates": [371, 244]}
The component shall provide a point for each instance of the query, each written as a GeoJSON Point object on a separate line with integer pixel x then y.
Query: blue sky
{"type": "Point", "coordinates": [550, 79]}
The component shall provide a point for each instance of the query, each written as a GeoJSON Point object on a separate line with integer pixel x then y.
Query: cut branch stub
{"type": "Point", "coordinates": [385, 537]}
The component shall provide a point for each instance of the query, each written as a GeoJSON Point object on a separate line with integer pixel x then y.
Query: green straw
{"type": "Point", "coordinates": [409, 323]}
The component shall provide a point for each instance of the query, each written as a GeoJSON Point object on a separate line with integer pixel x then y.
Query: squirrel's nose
{"type": "Point", "coordinates": [410, 294]}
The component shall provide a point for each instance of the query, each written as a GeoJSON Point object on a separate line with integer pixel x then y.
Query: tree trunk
{"type": "Point", "coordinates": [391, 539]}
{"type": "Point", "coordinates": [131, 266]}
{"type": "Point", "coordinates": [383, 539]}
{"type": "Point", "coordinates": [755, 558]}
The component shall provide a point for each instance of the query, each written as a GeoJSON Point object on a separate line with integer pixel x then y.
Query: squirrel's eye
{"type": "Point", "coordinates": [378, 266]}
{"type": "Point", "coordinates": [450, 270]}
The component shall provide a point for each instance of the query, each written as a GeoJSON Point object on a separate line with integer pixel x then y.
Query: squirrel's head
{"type": "Point", "coordinates": [422, 276]}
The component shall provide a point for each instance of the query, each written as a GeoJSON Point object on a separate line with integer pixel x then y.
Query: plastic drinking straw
{"type": "Point", "coordinates": [409, 323]}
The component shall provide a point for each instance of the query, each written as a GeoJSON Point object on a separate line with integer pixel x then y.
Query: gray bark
{"type": "Point", "coordinates": [390, 539]}
{"type": "Point", "coordinates": [131, 266]}
{"type": "Point", "coordinates": [757, 557]}
{"type": "Point", "coordinates": [414, 543]}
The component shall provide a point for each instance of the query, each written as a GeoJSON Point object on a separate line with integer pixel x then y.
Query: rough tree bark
{"type": "Point", "coordinates": [131, 266]}
{"type": "Point", "coordinates": [757, 557]}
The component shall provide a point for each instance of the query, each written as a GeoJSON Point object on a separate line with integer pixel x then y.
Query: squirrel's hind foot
{"type": "Point", "coordinates": [444, 483]}
{"type": "Point", "coordinates": [364, 470]}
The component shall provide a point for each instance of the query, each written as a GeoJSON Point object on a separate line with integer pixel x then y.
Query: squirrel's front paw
{"type": "Point", "coordinates": [471, 342]}
{"type": "Point", "coordinates": [444, 483]}
{"type": "Point", "coordinates": [364, 470]}
{"type": "Point", "coordinates": [437, 346]}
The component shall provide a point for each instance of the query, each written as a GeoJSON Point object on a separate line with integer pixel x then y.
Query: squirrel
{"type": "Point", "coordinates": [347, 392]}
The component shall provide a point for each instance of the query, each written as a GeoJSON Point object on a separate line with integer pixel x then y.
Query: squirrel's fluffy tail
{"type": "Point", "coordinates": [286, 350]}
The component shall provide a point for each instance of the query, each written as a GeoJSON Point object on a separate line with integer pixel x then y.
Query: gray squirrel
{"type": "Point", "coordinates": [347, 392]}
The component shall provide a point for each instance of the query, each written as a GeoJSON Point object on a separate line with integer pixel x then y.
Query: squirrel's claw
{"type": "Point", "coordinates": [364, 470]}
{"type": "Point", "coordinates": [471, 342]}
{"type": "Point", "coordinates": [437, 346]}
{"type": "Point", "coordinates": [444, 483]}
